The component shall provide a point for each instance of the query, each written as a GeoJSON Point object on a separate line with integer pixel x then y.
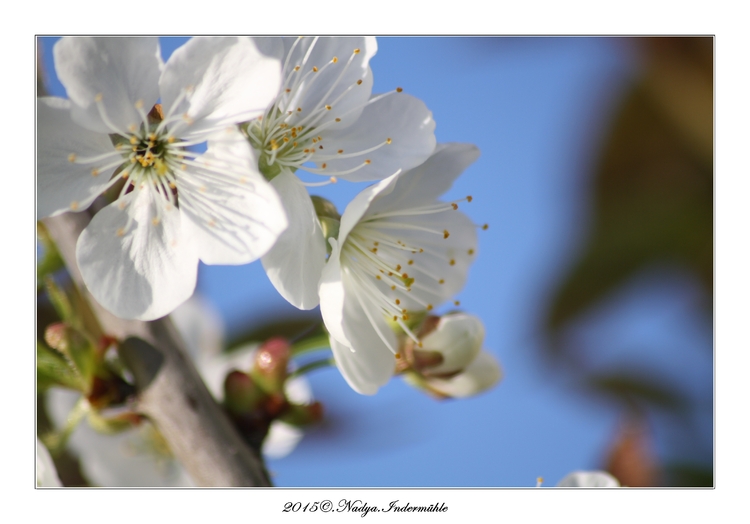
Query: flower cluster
{"type": "Point", "coordinates": [198, 159]}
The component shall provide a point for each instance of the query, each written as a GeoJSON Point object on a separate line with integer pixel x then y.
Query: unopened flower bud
{"type": "Point", "coordinates": [270, 368]}
{"type": "Point", "coordinates": [241, 394]}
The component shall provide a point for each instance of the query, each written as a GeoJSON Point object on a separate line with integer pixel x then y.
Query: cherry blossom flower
{"type": "Point", "coordinates": [326, 121]}
{"type": "Point", "coordinates": [399, 251]}
{"type": "Point", "coordinates": [139, 255]}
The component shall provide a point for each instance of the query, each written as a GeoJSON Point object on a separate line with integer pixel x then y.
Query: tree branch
{"type": "Point", "coordinates": [198, 432]}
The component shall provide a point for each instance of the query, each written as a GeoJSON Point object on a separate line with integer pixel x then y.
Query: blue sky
{"type": "Point", "coordinates": [537, 109]}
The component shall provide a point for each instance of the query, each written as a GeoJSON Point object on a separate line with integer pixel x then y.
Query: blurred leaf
{"type": "Point", "coordinates": [690, 475]}
{"type": "Point", "coordinates": [54, 369]}
{"type": "Point", "coordinates": [653, 191]}
{"type": "Point", "coordinates": [637, 389]}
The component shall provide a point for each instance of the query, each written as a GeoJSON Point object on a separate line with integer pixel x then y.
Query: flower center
{"type": "Point", "coordinates": [388, 256]}
{"type": "Point", "coordinates": [289, 135]}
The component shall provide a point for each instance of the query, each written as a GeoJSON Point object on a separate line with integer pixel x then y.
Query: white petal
{"type": "Point", "coordinates": [294, 264]}
{"type": "Point", "coordinates": [366, 369]}
{"type": "Point", "coordinates": [61, 184]}
{"type": "Point", "coordinates": [360, 205]}
{"type": "Point", "coordinates": [403, 119]}
{"type": "Point", "coordinates": [145, 273]}
{"type": "Point", "coordinates": [281, 440]}
{"type": "Point", "coordinates": [123, 70]}
{"type": "Point", "coordinates": [232, 213]}
{"type": "Point", "coordinates": [425, 183]}
{"type": "Point", "coordinates": [479, 376]}
{"type": "Point", "coordinates": [332, 80]}
{"type": "Point", "coordinates": [589, 479]}
{"type": "Point", "coordinates": [229, 81]}
{"type": "Point", "coordinates": [46, 474]}
{"type": "Point", "coordinates": [458, 337]}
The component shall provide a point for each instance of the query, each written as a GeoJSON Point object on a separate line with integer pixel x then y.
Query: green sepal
{"type": "Point", "coordinates": [303, 415]}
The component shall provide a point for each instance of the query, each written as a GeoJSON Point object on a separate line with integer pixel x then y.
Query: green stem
{"type": "Point", "coordinates": [310, 366]}
{"type": "Point", "coordinates": [308, 345]}
{"type": "Point", "coordinates": [56, 441]}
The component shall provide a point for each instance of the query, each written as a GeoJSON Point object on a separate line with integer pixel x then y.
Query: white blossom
{"type": "Point", "coordinates": [139, 255]}
{"type": "Point", "coordinates": [399, 251]}
{"type": "Point", "coordinates": [326, 121]}
{"type": "Point", "coordinates": [589, 479]}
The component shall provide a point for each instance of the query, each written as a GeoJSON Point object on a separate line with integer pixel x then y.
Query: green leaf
{"type": "Point", "coordinates": [54, 369]}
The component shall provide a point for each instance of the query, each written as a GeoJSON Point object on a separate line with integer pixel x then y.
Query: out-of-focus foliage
{"type": "Point", "coordinates": [652, 207]}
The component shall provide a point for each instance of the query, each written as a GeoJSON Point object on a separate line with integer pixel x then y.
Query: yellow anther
{"type": "Point", "coordinates": [485, 226]}
{"type": "Point", "coordinates": [446, 234]}
{"type": "Point", "coordinates": [388, 140]}
{"type": "Point", "coordinates": [315, 69]}
{"type": "Point", "coordinates": [120, 232]}
{"type": "Point", "coordinates": [398, 267]}
{"type": "Point", "coordinates": [395, 318]}
{"type": "Point", "coordinates": [333, 179]}
{"type": "Point", "coordinates": [453, 262]}
{"type": "Point", "coordinates": [72, 158]}
{"type": "Point", "coordinates": [187, 119]}
{"type": "Point", "coordinates": [419, 344]}
{"type": "Point", "coordinates": [339, 152]}
{"type": "Point", "coordinates": [125, 174]}
{"type": "Point", "coordinates": [139, 104]}
{"type": "Point", "coordinates": [299, 109]}
{"type": "Point", "coordinates": [367, 161]}
{"type": "Point", "coordinates": [397, 355]}
{"type": "Point", "coordinates": [132, 160]}
{"type": "Point", "coordinates": [98, 98]}
{"type": "Point", "coordinates": [397, 302]}
{"type": "Point", "coordinates": [393, 288]}
{"type": "Point", "coordinates": [328, 107]}
{"type": "Point", "coordinates": [324, 165]}
{"type": "Point", "coordinates": [454, 206]}
{"type": "Point", "coordinates": [288, 90]}
{"type": "Point", "coordinates": [377, 277]}
{"type": "Point", "coordinates": [74, 205]}
{"type": "Point", "coordinates": [95, 172]}
{"type": "Point", "coordinates": [405, 317]}
{"type": "Point", "coordinates": [470, 251]}
{"type": "Point", "coordinates": [356, 51]}
{"type": "Point", "coordinates": [132, 128]}
{"type": "Point", "coordinates": [183, 167]}
{"type": "Point", "coordinates": [359, 82]}
{"type": "Point", "coordinates": [429, 307]}
{"type": "Point", "coordinates": [456, 302]}
{"type": "Point", "coordinates": [155, 221]}
{"type": "Point", "coordinates": [441, 281]}
{"type": "Point", "coordinates": [376, 243]}
{"type": "Point", "coordinates": [172, 185]}
{"type": "Point", "coordinates": [398, 90]}
{"type": "Point", "coordinates": [421, 250]}
{"type": "Point", "coordinates": [134, 140]}
{"type": "Point", "coordinates": [411, 262]}
{"type": "Point", "coordinates": [296, 68]}
{"type": "Point", "coordinates": [469, 198]}
{"type": "Point", "coordinates": [274, 145]}
{"type": "Point", "coordinates": [334, 59]}
{"type": "Point", "coordinates": [286, 139]}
